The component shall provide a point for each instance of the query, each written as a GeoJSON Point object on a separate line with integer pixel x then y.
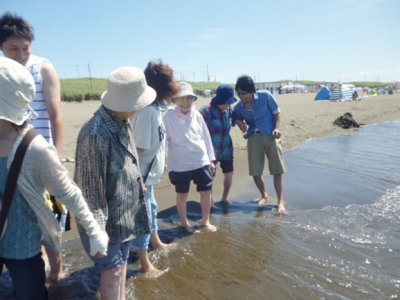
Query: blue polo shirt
{"type": "Point", "coordinates": [260, 116]}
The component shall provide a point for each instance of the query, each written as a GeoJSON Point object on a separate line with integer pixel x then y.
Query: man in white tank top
{"type": "Point", "coordinates": [16, 36]}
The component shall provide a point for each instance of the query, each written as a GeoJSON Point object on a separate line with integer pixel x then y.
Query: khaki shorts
{"type": "Point", "coordinates": [259, 146]}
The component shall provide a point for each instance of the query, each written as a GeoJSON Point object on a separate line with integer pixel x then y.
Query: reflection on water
{"type": "Point", "coordinates": [338, 241]}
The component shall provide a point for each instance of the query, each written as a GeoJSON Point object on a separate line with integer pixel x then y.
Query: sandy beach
{"type": "Point", "coordinates": [302, 118]}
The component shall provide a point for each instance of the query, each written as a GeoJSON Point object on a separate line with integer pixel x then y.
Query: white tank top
{"type": "Point", "coordinates": [42, 121]}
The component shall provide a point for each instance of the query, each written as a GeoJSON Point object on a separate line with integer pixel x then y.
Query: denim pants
{"type": "Point", "coordinates": [28, 277]}
{"type": "Point", "coordinates": [142, 242]}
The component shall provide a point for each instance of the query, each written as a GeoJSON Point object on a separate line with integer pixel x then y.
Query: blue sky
{"type": "Point", "coordinates": [324, 40]}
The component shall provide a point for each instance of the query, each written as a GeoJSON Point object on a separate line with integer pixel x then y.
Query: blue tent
{"type": "Point", "coordinates": [323, 94]}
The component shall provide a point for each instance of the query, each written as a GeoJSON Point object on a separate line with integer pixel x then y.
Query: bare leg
{"type": "Point", "coordinates": [205, 202]}
{"type": "Point", "coordinates": [156, 242]}
{"type": "Point", "coordinates": [181, 199]}
{"type": "Point", "coordinates": [278, 184]}
{"type": "Point", "coordinates": [56, 268]}
{"type": "Point", "coordinates": [122, 282]}
{"type": "Point", "coordinates": [227, 186]}
{"type": "Point", "coordinates": [212, 201]}
{"type": "Point", "coordinates": [146, 265]}
{"type": "Point", "coordinates": [259, 181]}
{"type": "Point", "coordinates": [110, 283]}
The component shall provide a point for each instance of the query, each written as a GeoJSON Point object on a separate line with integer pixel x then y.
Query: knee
{"type": "Point", "coordinates": [111, 278]}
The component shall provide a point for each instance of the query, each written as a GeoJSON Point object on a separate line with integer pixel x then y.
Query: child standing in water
{"type": "Point", "coordinates": [190, 155]}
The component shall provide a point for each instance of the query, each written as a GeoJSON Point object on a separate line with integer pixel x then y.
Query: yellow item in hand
{"type": "Point", "coordinates": [51, 202]}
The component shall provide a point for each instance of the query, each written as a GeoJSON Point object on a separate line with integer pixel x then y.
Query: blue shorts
{"type": "Point", "coordinates": [117, 254]}
{"type": "Point", "coordinates": [142, 242]}
{"type": "Point", "coordinates": [202, 178]}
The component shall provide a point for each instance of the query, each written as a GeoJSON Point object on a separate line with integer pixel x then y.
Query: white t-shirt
{"type": "Point", "coordinates": [189, 142]}
{"type": "Point", "coordinates": [149, 135]}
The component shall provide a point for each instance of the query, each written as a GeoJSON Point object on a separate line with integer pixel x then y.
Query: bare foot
{"type": "Point", "coordinates": [152, 272]}
{"type": "Point", "coordinates": [263, 202]}
{"type": "Point", "coordinates": [162, 245]}
{"type": "Point", "coordinates": [281, 209]}
{"type": "Point", "coordinates": [54, 278]}
{"type": "Point", "coordinates": [209, 227]}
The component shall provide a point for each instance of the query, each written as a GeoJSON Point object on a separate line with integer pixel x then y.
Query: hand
{"type": "Point", "coordinates": [104, 239]}
{"type": "Point", "coordinates": [100, 255]}
{"type": "Point", "coordinates": [276, 134]}
{"type": "Point", "coordinates": [213, 168]}
{"type": "Point", "coordinates": [242, 126]}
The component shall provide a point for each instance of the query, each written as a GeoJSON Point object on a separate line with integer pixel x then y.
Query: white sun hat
{"type": "Point", "coordinates": [186, 90]}
{"type": "Point", "coordinates": [127, 90]}
{"type": "Point", "coordinates": [17, 90]}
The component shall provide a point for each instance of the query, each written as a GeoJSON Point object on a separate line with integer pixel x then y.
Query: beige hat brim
{"type": "Point", "coordinates": [131, 103]}
{"type": "Point", "coordinates": [185, 93]}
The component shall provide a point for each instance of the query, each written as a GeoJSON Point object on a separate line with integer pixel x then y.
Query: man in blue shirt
{"type": "Point", "coordinates": [257, 115]}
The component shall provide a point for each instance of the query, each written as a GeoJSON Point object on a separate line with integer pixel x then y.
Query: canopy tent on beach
{"type": "Point", "coordinates": [323, 94]}
{"type": "Point", "coordinates": [347, 94]}
{"type": "Point", "coordinates": [207, 93]}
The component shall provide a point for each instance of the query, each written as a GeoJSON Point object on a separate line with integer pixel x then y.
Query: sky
{"type": "Point", "coordinates": [319, 40]}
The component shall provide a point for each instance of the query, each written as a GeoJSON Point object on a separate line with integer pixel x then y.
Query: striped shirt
{"type": "Point", "coordinates": [42, 121]}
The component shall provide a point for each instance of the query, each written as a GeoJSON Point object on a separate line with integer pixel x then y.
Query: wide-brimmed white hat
{"type": "Point", "coordinates": [17, 90]}
{"type": "Point", "coordinates": [186, 90]}
{"type": "Point", "coordinates": [127, 90]}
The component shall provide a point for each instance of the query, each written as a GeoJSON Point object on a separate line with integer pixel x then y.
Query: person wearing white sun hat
{"type": "Point", "coordinates": [107, 170]}
{"type": "Point", "coordinates": [29, 220]}
{"type": "Point", "coordinates": [190, 155]}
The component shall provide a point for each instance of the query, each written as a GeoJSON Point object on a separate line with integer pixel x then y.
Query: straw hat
{"type": "Point", "coordinates": [224, 95]}
{"type": "Point", "coordinates": [17, 90]}
{"type": "Point", "coordinates": [127, 90]}
{"type": "Point", "coordinates": [186, 90]}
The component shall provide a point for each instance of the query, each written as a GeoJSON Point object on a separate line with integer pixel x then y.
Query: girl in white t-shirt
{"type": "Point", "coordinates": [190, 155]}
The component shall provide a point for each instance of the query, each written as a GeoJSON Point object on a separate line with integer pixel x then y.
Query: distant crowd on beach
{"type": "Point", "coordinates": [147, 124]}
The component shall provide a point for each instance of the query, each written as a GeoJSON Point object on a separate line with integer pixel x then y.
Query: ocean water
{"type": "Point", "coordinates": [339, 239]}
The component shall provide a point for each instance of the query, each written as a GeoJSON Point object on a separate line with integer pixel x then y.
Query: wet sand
{"type": "Point", "coordinates": [302, 118]}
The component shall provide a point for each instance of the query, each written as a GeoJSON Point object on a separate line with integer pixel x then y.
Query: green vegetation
{"type": "Point", "coordinates": [86, 89]}
{"type": "Point", "coordinates": [82, 89]}
{"type": "Point", "coordinates": [91, 89]}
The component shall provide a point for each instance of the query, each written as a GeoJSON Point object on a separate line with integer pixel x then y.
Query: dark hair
{"type": "Point", "coordinates": [245, 83]}
{"type": "Point", "coordinates": [161, 78]}
{"type": "Point", "coordinates": [14, 26]}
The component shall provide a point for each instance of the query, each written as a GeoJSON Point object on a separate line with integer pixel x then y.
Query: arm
{"type": "Point", "coordinates": [206, 115]}
{"type": "Point", "coordinates": [205, 134]}
{"type": "Point", "coordinates": [276, 133]}
{"type": "Point", "coordinates": [56, 180]}
{"type": "Point", "coordinates": [139, 153]}
{"type": "Point", "coordinates": [51, 94]}
{"type": "Point", "coordinates": [237, 119]}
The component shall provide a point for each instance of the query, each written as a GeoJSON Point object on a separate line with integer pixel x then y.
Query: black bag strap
{"type": "Point", "coordinates": [145, 176]}
{"type": "Point", "coordinates": [13, 174]}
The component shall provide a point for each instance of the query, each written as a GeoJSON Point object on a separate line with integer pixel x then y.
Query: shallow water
{"type": "Point", "coordinates": [338, 241]}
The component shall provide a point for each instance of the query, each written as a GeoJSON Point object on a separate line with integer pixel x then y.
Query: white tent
{"type": "Point", "coordinates": [347, 94]}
